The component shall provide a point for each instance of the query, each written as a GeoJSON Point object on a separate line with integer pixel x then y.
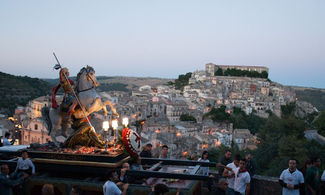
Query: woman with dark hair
{"type": "Point", "coordinates": [204, 158]}
{"type": "Point", "coordinates": [205, 170]}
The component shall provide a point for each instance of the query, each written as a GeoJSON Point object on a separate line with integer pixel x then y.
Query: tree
{"type": "Point", "coordinates": [244, 73]}
{"type": "Point", "coordinates": [182, 80]}
{"type": "Point", "coordinates": [219, 72]}
{"type": "Point", "coordinates": [218, 114]}
{"type": "Point", "coordinates": [288, 109]}
{"type": "Point", "coordinates": [170, 83]}
{"type": "Point", "coordinates": [264, 74]}
{"type": "Point", "coordinates": [320, 123]}
{"type": "Point", "coordinates": [187, 117]}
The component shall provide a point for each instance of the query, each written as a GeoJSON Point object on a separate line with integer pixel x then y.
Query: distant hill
{"type": "Point", "coordinates": [122, 83]}
{"type": "Point", "coordinates": [18, 90]}
{"type": "Point", "coordinates": [314, 96]}
{"type": "Point", "coordinates": [129, 83]}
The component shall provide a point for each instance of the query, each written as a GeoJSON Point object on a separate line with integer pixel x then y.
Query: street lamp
{"type": "Point", "coordinates": [106, 127]}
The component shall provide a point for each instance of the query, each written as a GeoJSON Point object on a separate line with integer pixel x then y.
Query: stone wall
{"type": "Point", "coordinates": [265, 185]}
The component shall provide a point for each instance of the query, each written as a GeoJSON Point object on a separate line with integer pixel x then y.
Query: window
{"type": "Point", "coordinates": [35, 126]}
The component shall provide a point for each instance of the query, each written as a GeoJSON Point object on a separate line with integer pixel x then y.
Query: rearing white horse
{"type": "Point", "coordinates": [87, 96]}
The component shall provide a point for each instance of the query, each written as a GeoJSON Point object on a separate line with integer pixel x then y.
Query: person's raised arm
{"type": "Point", "coordinates": [18, 162]}
{"type": "Point", "coordinates": [125, 189]}
{"type": "Point", "coordinates": [226, 172]}
{"type": "Point", "coordinates": [32, 166]}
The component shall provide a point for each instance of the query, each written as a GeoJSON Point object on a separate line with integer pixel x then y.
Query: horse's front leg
{"type": "Point", "coordinates": [104, 108]}
{"type": "Point", "coordinates": [107, 102]}
{"type": "Point", "coordinates": [97, 106]}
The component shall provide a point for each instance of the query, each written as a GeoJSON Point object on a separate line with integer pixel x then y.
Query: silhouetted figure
{"type": "Point", "coordinates": [159, 189]}
{"type": "Point", "coordinates": [8, 182]}
{"type": "Point", "coordinates": [312, 179]}
{"type": "Point", "coordinates": [48, 189]}
{"type": "Point", "coordinates": [75, 190]}
{"type": "Point", "coordinates": [222, 187]}
{"type": "Point", "coordinates": [146, 152]}
{"type": "Point", "coordinates": [223, 161]}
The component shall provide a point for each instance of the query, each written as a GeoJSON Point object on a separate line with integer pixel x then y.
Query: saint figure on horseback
{"type": "Point", "coordinates": [79, 101]}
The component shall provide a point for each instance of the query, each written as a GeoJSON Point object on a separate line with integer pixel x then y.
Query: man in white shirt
{"type": "Point", "coordinates": [110, 188]}
{"type": "Point", "coordinates": [242, 179]}
{"type": "Point", "coordinates": [291, 179]}
{"type": "Point", "coordinates": [230, 174]}
{"type": "Point", "coordinates": [24, 164]}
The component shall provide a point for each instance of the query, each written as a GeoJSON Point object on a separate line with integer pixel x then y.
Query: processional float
{"type": "Point", "coordinates": [84, 146]}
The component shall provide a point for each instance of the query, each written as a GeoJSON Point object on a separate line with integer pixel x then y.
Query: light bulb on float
{"type": "Point", "coordinates": [125, 122]}
{"type": "Point", "coordinates": [105, 125]}
{"type": "Point", "coordinates": [105, 128]}
{"type": "Point", "coordinates": [115, 126]}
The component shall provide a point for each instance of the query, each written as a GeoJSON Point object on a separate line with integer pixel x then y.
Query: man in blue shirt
{"type": "Point", "coordinates": [5, 140]}
{"type": "Point", "coordinates": [110, 188]}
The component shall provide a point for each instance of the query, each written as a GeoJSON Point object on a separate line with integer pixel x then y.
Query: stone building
{"type": "Point", "coordinates": [175, 109]}
{"type": "Point", "coordinates": [34, 107]}
{"type": "Point", "coordinates": [34, 131]}
{"type": "Point", "coordinates": [211, 68]}
{"type": "Point", "coordinates": [244, 139]}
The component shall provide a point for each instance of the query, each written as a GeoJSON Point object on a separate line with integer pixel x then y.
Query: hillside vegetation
{"type": "Point", "coordinates": [120, 83]}
{"type": "Point", "coordinates": [314, 96]}
{"type": "Point", "coordinates": [280, 139]}
{"type": "Point", "coordinates": [241, 73]}
{"type": "Point", "coordinates": [18, 90]}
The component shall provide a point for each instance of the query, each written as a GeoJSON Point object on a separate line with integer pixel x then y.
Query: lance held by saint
{"type": "Point", "coordinates": [58, 67]}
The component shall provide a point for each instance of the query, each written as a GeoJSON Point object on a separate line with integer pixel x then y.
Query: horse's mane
{"type": "Point", "coordinates": [86, 69]}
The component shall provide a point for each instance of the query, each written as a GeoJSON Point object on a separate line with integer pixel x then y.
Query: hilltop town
{"type": "Point", "coordinates": [178, 114]}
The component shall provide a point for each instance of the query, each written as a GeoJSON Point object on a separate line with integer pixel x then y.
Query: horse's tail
{"type": "Point", "coordinates": [46, 118]}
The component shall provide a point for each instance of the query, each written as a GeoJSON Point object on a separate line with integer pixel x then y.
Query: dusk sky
{"type": "Point", "coordinates": [164, 38]}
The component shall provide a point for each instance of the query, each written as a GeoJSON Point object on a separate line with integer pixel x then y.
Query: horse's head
{"type": "Point", "coordinates": [86, 79]}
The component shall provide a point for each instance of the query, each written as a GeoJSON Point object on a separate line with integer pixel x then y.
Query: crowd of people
{"type": "Point", "coordinates": [234, 175]}
{"type": "Point", "coordinates": [14, 182]}
{"type": "Point", "coordinates": [24, 169]}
